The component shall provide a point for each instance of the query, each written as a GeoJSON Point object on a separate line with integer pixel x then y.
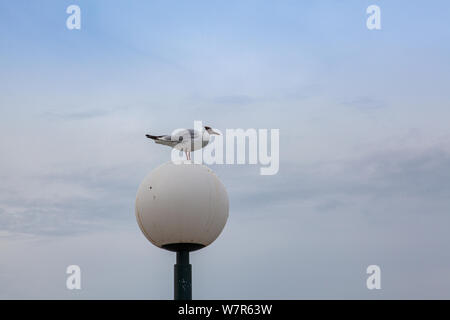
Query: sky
{"type": "Point", "coordinates": [364, 175]}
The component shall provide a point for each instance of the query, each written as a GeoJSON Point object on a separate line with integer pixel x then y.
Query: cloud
{"type": "Point", "coordinates": [366, 102]}
{"type": "Point", "coordinates": [234, 99]}
{"type": "Point", "coordinates": [419, 176]}
{"type": "Point", "coordinates": [81, 115]}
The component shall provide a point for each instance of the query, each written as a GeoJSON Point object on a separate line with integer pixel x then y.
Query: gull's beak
{"type": "Point", "coordinates": [213, 132]}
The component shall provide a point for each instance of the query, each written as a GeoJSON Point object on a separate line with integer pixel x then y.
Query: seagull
{"type": "Point", "coordinates": [186, 140]}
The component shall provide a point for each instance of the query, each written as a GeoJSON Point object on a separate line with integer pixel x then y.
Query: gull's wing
{"type": "Point", "coordinates": [164, 139]}
{"type": "Point", "coordinates": [180, 136]}
{"type": "Point", "coordinates": [194, 134]}
{"type": "Point", "coordinates": [184, 135]}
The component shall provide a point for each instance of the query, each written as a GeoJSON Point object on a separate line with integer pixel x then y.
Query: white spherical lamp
{"type": "Point", "coordinates": [181, 206]}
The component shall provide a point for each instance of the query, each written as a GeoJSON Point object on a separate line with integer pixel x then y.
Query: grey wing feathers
{"type": "Point", "coordinates": [165, 139]}
{"type": "Point", "coordinates": [184, 135]}
{"type": "Point", "coordinates": [193, 133]}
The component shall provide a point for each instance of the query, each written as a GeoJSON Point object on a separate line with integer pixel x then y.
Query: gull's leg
{"type": "Point", "coordinates": [185, 152]}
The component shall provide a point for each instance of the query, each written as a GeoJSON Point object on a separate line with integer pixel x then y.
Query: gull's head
{"type": "Point", "coordinates": [211, 131]}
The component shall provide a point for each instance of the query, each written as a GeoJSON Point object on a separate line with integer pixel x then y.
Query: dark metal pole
{"type": "Point", "coordinates": [182, 277]}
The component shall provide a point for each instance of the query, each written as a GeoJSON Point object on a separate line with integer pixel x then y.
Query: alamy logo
{"type": "Point", "coordinates": [374, 280]}
{"type": "Point", "coordinates": [74, 280]}
{"type": "Point", "coordinates": [74, 20]}
{"type": "Point", "coordinates": [234, 146]}
{"type": "Point", "coordinates": [374, 20]}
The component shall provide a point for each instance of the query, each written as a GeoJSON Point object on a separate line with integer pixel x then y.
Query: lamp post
{"type": "Point", "coordinates": [181, 208]}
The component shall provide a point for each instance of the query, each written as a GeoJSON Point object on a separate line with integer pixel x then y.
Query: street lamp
{"type": "Point", "coordinates": [181, 207]}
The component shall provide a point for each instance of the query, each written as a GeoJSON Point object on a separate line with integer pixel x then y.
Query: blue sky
{"type": "Point", "coordinates": [364, 145]}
